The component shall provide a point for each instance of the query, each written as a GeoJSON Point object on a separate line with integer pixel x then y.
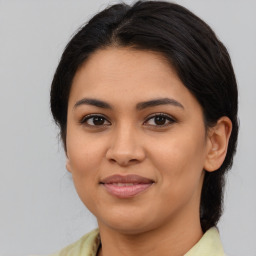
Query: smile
{"type": "Point", "coordinates": [126, 186]}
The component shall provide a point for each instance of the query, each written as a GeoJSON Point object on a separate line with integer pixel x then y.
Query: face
{"type": "Point", "coordinates": [136, 141]}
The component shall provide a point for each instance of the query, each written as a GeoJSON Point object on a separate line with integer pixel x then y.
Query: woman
{"type": "Point", "coordinates": [146, 100]}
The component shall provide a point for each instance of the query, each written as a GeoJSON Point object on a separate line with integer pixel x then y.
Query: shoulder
{"type": "Point", "coordinates": [86, 245]}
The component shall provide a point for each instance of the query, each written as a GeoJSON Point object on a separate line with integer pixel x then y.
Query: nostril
{"type": "Point", "coordinates": [125, 156]}
{"type": "Point", "coordinates": [123, 162]}
{"type": "Point", "coordinates": [112, 160]}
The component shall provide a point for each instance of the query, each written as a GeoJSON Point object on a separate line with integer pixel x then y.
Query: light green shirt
{"type": "Point", "coordinates": [208, 245]}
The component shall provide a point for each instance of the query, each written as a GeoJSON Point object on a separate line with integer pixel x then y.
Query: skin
{"type": "Point", "coordinates": [164, 219]}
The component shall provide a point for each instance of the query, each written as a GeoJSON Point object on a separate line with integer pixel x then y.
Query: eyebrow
{"type": "Point", "coordinates": [139, 106]}
{"type": "Point", "coordinates": [93, 102]}
{"type": "Point", "coordinates": [157, 102]}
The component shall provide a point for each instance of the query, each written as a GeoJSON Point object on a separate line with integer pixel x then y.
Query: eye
{"type": "Point", "coordinates": [160, 120]}
{"type": "Point", "coordinates": [95, 120]}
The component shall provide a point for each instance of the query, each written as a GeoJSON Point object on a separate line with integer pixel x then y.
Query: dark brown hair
{"type": "Point", "coordinates": [191, 47]}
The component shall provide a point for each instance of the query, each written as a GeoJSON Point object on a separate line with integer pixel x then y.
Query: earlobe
{"type": "Point", "coordinates": [68, 166]}
{"type": "Point", "coordinates": [218, 138]}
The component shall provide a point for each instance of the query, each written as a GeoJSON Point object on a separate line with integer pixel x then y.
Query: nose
{"type": "Point", "coordinates": [125, 147]}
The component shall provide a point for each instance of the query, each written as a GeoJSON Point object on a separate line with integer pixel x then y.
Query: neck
{"type": "Point", "coordinates": [174, 239]}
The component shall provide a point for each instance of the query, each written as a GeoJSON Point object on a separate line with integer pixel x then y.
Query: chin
{"type": "Point", "coordinates": [130, 223]}
{"type": "Point", "coordinates": [129, 228]}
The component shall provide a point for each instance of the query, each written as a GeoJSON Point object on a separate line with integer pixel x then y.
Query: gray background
{"type": "Point", "coordinates": [39, 209]}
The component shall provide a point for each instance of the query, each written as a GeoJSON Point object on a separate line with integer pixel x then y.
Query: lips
{"type": "Point", "coordinates": [126, 186]}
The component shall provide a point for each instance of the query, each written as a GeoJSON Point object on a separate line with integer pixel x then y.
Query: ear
{"type": "Point", "coordinates": [217, 144]}
{"type": "Point", "coordinates": [68, 165]}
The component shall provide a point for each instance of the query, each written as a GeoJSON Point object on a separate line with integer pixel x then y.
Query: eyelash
{"type": "Point", "coordinates": [91, 116]}
{"type": "Point", "coordinates": [168, 118]}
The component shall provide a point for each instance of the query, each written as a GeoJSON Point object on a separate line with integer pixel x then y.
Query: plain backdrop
{"type": "Point", "coordinates": [39, 209]}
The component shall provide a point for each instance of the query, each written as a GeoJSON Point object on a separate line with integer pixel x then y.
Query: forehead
{"type": "Point", "coordinates": [125, 74]}
{"type": "Point", "coordinates": [117, 62]}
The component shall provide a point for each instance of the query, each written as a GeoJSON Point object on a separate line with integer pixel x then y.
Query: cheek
{"type": "Point", "coordinates": [84, 152]}
{"type": "Point", "coordinates": [85, 155]}
{"type": "Point", "coordinates": [180, 159]}
{"type": "Point", "coordinates": [84, 160]}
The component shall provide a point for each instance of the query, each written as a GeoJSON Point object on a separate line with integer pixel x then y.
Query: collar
{"type": "Point", "coordinates": [209, 245]}
{"type": "Point", "coordinates": [89, 244]}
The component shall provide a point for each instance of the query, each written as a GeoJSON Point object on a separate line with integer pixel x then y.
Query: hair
{"type": "Point", "coordinates": [201, 61]}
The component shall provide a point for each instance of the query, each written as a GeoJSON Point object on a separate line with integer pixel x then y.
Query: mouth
{"type": "Point", "coordinates": [126, 186]}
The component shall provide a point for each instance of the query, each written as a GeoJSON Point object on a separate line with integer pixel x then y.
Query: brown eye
{"type": "Point", "coordinates": [95, 120]}
{"type": "Point", "coordinates": [160, 120]}
{"type": "Point", "coordinates": [98, 120]}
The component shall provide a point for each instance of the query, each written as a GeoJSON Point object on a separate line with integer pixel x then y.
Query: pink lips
{"type": "Point", "coordinates": [126, 186]}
